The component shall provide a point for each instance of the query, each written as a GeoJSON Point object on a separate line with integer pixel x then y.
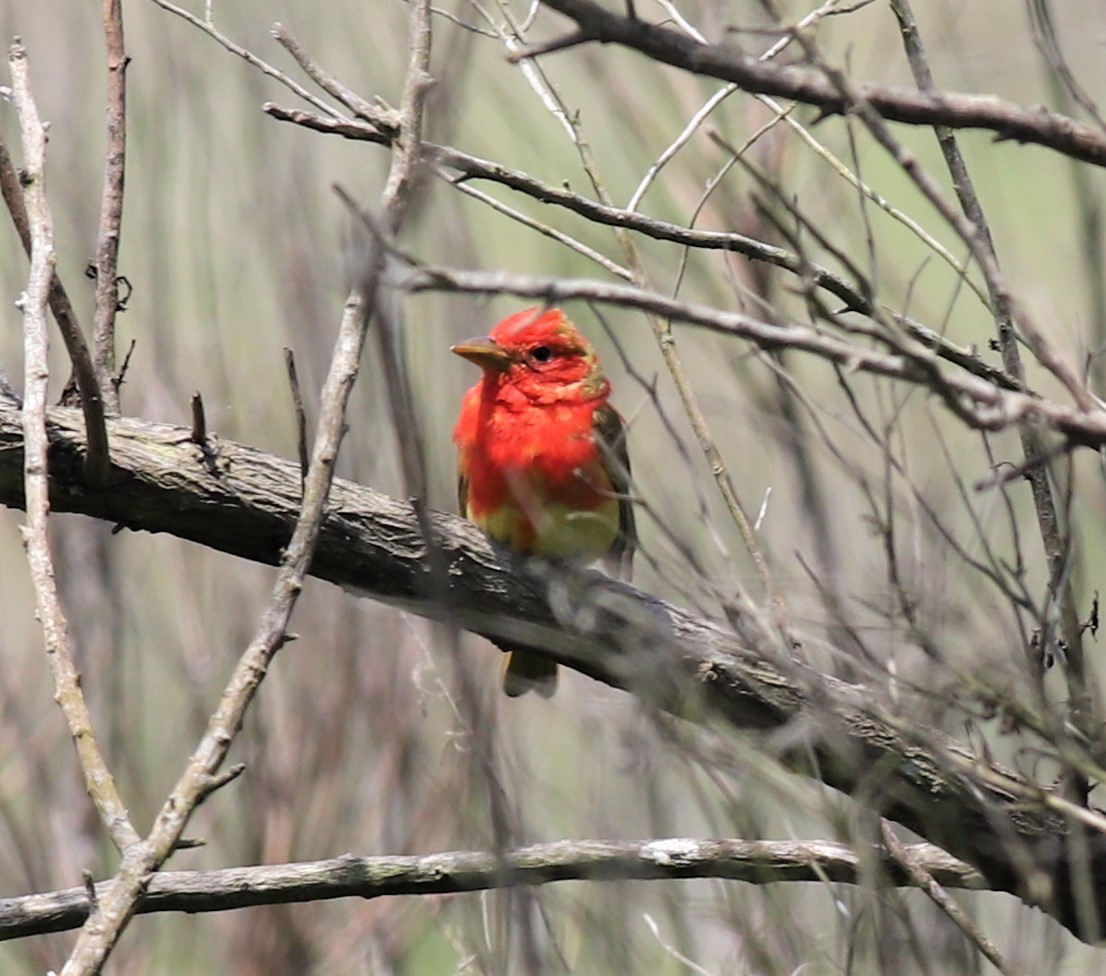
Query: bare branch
{"type": "Point", "coordinates": [957, 111]}
{"type": "Point", "coordinates": [142, 859]}
{"type": "Point", "coordinates": [398, 192]}
{"type": "Point", "coordinates": [384, 119]}
{"type": "Point", "coordinates": [1035, 452]}
{"type": "Point", "coordinates": [977, 402]}
{"type": "Point", "coordinates": [67, 682]}
{"type": "Point", "coordinates": [472, 167]}
{"type": "Point", "coordinates": [754, 862]}
{"type": "Point", "coordinates": [111, 206]}
{"type": "Point", "coordinates": [908, 861]}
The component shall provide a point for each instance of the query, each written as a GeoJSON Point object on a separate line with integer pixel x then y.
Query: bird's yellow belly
{"type": "Point", "coordinates": [555, 530]}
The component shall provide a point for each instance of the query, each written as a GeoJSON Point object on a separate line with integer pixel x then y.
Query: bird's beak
{"type": "Point", "coordinates": [485, 353]}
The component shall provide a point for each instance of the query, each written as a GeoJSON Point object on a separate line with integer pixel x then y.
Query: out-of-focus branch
{"type": "Point", "coordinates": [754, 862]}
{"type": "Point", "coordinates": [1021, 836]}
{"type": "Point", "coordinates": [811, 87]}
{"type": "Point", "coordinates": [1081, 703]}
{"type": "Point", "coordinates": [67, 683]}
{"type": "Point", "coordinates": [1045, 34]}
{"type": "Point", "coordinates": [907, 859]}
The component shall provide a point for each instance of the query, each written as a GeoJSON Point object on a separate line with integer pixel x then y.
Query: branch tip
{"type": "Point", "coordinates": [199, 421]}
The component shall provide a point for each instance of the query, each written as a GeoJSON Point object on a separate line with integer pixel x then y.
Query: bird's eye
{"type": "Point", "coordinates": [541, 354]}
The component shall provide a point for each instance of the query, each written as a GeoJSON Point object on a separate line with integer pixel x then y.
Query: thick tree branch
{"type": "Point", "coordinates": [238, 500]}
{"type": "Point", "coordinates": [811, 87]}
{"type": "Point", "coordinates": [755, 862]}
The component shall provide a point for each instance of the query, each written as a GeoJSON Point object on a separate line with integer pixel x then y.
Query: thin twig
{"type": "Point", "coordinates": [249, 57]}
{"type": "Point", "coordinates": [562, 43]}
{"type": "Point", "coordinates": [121, 376]}
{"type": "Point", "coordinates": [212, 785]}
{"type": "Point", "coordinates": [787, 116]}
{"type": "Point", "coordinates": [386, 120]}
{"type": "Point", "coordinates": [1034, 450]}
{"type": "Point", "coordinates": [538, 227]}
{"type": "Point", "coordinates": [920, 876]}
{"type": "Point", "coordinates": [473, 167]}
{"type": "Point", "coordinates": [1043, 24]}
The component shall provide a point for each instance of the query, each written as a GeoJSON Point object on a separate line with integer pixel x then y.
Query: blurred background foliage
{"type": "Point", "coordinates": [237, 246]}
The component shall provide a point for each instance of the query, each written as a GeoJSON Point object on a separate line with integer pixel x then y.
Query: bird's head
{"type": "Point", "coordinates": [540, 355]}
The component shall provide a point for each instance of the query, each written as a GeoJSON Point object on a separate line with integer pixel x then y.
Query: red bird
{"type": "Point", "coordinates": [542, 463]}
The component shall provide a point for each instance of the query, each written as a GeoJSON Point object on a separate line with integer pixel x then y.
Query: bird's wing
{"type": "Point", "coordinates": [610, 437]}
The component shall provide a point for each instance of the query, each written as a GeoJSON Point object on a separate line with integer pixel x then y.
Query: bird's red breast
{"type": "Point", "coordinates": [533, 473]}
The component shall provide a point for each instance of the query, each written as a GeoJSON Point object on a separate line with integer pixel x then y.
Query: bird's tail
{"type": "Point", "coordinates": [523, 672]}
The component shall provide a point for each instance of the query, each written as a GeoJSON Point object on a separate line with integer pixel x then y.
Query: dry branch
{"type": "Point", "coordinates": [810, 87]}
{"type": "Point", "coordinates": [912, 865]}
{"type": "Point", "coordinates": [33, 476]}
{"type": "Point", "coordinates": [978, 403]}
{"type": "Point", "coordinates": [84, 372]}
{"type": "Point", "coordinates": [447, 161]}
{"type": "Point", "coordinates": [238, 500]}
{"type": "Point", "coordinates": [756, 862]}
{"type": "Point", "coordinates": [111, 205]}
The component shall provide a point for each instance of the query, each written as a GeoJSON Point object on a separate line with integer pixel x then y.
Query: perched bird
{"type": "Point", "coordinates": [542, 459]}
